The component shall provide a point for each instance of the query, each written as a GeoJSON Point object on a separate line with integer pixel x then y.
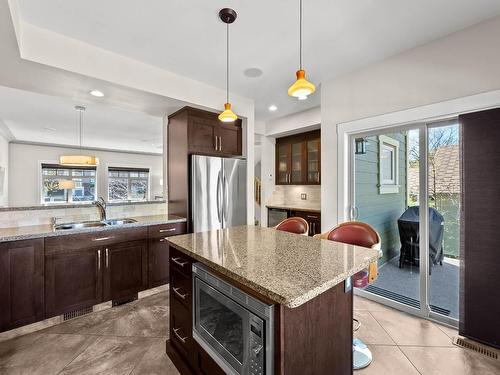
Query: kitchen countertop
{"type": "Point", "coordinates": [292, 207]}
{"type": "Point", "coordinates": [45, 230]}
{"type": "Point", "coordinates": [287, 268]}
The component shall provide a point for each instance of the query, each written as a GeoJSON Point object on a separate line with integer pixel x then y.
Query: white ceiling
{"type": "Point", "coordinates": [187, 38]}
{"type": "Point", "coordinates": [32, 117]}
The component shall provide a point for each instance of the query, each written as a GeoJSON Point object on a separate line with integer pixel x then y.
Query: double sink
{"type": "Point", "coordinates": [94, 224]}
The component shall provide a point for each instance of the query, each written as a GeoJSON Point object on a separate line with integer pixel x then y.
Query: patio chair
{"type": "Point", "coordinates": [295, 225]}
{"type": "Point", "coordinates": [359, 234]}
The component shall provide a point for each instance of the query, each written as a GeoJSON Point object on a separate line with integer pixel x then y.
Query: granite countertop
{"type": "Point", "coordinates": [40, 231]}
{"type": "Point", "coordinates": [287, 268]}
{"type": "Point", "coordinates": [293, 207]}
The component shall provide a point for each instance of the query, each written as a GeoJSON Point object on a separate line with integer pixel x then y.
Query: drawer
{"type": "Point", "coordinates": [180, 262]}
{"type": "Point", "coordinates": [181, 288]}
{"type": "Point", "coordinates": [69, 242]}
{"type": "Point", "coordinates": [181, 329]}
{"type": "Point", "coordinates": [309, 216]}
{"type": "Point", "coordinates": [166, 230]}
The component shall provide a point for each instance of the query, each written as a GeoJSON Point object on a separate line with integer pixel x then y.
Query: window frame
{"type": "Point", "coordinates": [110, 168]}
{"type": "Point", "coordinates": [388, 186]}
{"type": "Point", "coordinates": [69, 199]}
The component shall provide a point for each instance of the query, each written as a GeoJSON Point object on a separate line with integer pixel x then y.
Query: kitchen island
{"type": "Point", "coordinates": [305, 283]}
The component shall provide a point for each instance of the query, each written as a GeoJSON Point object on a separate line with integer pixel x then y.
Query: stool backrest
{"type": "Point", "coordinates": [294, 225]}
{"type": "Point", "coordinates": [354, 233]}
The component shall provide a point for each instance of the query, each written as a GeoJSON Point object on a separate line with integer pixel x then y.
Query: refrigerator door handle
{"type": "Point", "coordinates": [218, 197]}
{"type": "Point", "coordinates": [226, 197]}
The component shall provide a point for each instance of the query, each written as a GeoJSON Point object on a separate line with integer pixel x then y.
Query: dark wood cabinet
{"type": "Point", "coordinates": [159, 252]}
{"type": "Point", "coordinates": [195, 131]}
{"type": "Point", "coordinates": [125, 269]}
{"type": "Point", "coordinates": [73, 280]}
{"type": "Point", "coordinates": [21, 283]}
{"type": "Point", "coordinates": [312, 218]}
{"type": "Point", "coordinates": [298, 159]}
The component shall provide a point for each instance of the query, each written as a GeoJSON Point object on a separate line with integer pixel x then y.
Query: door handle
{"type": "Point", "coordinates": [107, 257]}
{"type": "Point", "coordinates": [178, 262]}
{"type": "Point", "coordinates": [182, 339]}
{"type": "Point", "coordinates": [218, 197]}
{"type": "Point", "coordinates": [179, 294]}
{"type": "Point", "coordinates": [226, 197]}
{"type": "Point", "coordinates": [166, 230]}
{"type": "Point", "coordinates": [98, 259]}
{"type": "Point", "coordinates": [103, 238]}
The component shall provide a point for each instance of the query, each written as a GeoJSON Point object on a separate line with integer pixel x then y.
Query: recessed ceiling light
{"type": "Point", "coordinates": [252, 72]}
{"type": "Point", "coordinates": [273, 108]}
{"type": "Point", "coordinates": [50, 128]}
{"type": "Point", "coordinates": [97, 93]}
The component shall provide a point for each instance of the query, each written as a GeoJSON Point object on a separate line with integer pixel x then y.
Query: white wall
{"type": "Point", "coordinates": [458, 65]}
{"type": "Point", "coordinates": [24, 174]}
{"type": "Point", "coordinates": [4, 165]}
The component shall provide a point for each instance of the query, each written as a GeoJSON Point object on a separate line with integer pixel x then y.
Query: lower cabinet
{"type": "Point", "coordinates": [158, 262]}
{"type": "Point", "coordinates": [73, 280]}
{"type": "Point", "coordinates": [312, 218]}
{"type": "Point", "coordinates": [125, 269]}
{"type": "Point", "coordinates": [21, 283]}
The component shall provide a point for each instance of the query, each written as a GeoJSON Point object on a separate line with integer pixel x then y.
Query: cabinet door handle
{"type": "Point", "coordinates": [163, 239]}
{"type": "Point", "coordinates": [220, 143]}
{"type": "Point", "coordinates": [179, 294]}
{"type": "Point", "coordinates": [166, 230]}
{"type": "Point", "coordinates": [215, 139]}
{"type": "Point", "coordinates": [107, 257]}
{"type": "Point", "coordinates": [98, 259]}
{"type": "Point", "coordinates": [103, 238]}
{"type": "Point", "coordinates": [178, 262]}
{"type": "Point", "coordinates": [183, 339]}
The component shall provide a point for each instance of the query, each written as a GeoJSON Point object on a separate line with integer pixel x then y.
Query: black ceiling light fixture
{"type": "Point", "coordinates": [228, 16]}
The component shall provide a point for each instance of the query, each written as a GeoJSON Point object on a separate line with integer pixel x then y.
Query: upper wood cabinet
{"type": "Point", "coordinates": [21, 283]}
{"type": "Point", "coordinates": [298, 159]}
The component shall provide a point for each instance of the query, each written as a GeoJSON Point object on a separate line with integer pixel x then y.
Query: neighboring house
{"type": "Point", "coordinates": [444, 192]}
{"type": "Point", "coordinates": [379, 202]}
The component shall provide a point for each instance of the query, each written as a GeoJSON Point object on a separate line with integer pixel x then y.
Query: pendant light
{"type": "Point", "coordinates": [79, 160]}
{"type": "Point", "coordinates": [227, 15]}
{"type": "Point", "coordinates": [302, 88]}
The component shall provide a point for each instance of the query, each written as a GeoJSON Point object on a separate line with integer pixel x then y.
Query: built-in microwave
{"type": "Point", "coordinates": [234, 328]}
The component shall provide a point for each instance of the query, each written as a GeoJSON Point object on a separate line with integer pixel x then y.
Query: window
{"type": "Point", "coordinates": [388, 165]}
{"type": "Point", "coordinates": [55, 177]}
{"type": "Point", "coordinates": [128, 184]}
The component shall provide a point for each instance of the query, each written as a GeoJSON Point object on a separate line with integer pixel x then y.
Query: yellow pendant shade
{"type": "Point", "coordinates": [301, 87]}
{"type": "Point", "coordinates": [227, 115]}
{"type": "Point", "coordinates": [66, 184]}
{"type": "Point", "coordinates": [79, 160]}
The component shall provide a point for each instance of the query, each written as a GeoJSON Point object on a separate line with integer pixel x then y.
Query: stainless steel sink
{"type": "Point", "coordinates": [120, 221]}
{"type": "Point", "coordinates": [94, 224]}
{"type": "Point", "coordinates": [84, 224]}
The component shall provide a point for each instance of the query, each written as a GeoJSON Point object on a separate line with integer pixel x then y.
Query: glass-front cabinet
{"type": "Point", "coordinates": [298, 159]}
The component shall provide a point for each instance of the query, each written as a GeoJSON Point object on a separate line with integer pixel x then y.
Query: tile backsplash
{"type": "Point", "coordinates": [284, 195]}
{"type": "Point", "coordinates": [24, 217]}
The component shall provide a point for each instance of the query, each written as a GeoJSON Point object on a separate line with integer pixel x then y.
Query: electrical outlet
{"type": "Point", "coordinates": [303, 196]}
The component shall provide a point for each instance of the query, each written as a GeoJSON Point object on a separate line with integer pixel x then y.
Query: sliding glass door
{"type": "Point", "coordinates": [391, 171]}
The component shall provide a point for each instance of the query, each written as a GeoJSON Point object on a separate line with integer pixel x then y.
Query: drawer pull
{"type": "Point", "coordinates": [178, 261]}
{"type": "Point", "coordinates": [179, 294]}
{"type": "Point", "coordinates": [167, 230]}
{"type": "Point", "coordinates": [312, 217]}
{"type": "Point", "coordinates": [103, 238]}
{"type": "Point", "coordinates": [163, 239]}
{"type": "Point", "coordinates": [182, 339]}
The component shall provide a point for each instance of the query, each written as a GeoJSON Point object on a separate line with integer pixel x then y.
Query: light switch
{"type": "Point", "coordinates": [303, 196]}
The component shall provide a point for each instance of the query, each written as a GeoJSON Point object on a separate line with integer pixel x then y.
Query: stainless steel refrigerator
{"type": "Point", "coordinates": [218, 192]}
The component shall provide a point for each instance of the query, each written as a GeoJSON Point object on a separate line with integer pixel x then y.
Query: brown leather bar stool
{"type": "Point", "coordinates": [358, 234]}
{"type": "Point", "coordinates": [295, 225]}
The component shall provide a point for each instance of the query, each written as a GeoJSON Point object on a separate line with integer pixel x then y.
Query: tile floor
{"type": "Point", "coordinates": [130, 340]}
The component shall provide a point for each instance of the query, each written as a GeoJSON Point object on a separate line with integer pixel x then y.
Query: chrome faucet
{"type": "Point", "coordinates": [101, 206]}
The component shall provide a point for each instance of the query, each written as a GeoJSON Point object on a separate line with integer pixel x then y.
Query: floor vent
{"type": "Point", "coordinates": [474, 346]}
{"type": "Point", "coordinates": [403, 299]}
{"type": "Point", "coordinates": [77, 313]}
